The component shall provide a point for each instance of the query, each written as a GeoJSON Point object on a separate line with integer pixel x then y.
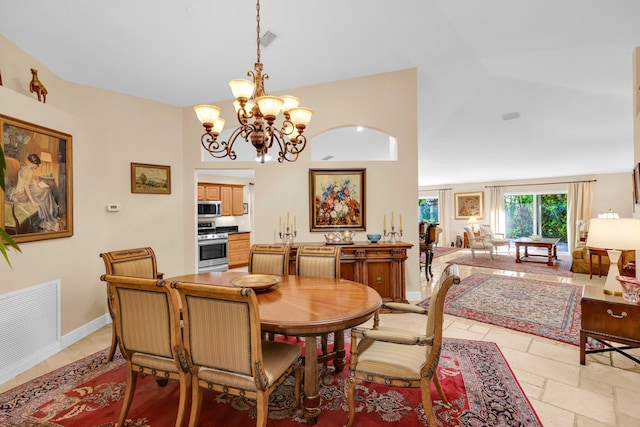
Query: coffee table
{"type": "Point", "coordinates": [546, 242]}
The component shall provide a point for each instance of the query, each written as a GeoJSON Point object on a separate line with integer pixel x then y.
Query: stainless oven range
{"type": "Point", "coordinates": [212, 248]}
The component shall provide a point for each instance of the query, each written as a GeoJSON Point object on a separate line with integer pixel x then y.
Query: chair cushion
{"type": "Point", "coordinates": [277, 358]}
{"type": "Point", "coordinates": [154, 362]}
{"type": "Point", "coordinates": [391, 360]}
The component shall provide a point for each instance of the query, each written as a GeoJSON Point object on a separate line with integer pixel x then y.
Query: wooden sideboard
{"type": "Point", "coordinates": [378, 265]}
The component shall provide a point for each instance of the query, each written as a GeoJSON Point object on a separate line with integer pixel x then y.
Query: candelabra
{"type": "Point", "coordinates": [287, 236]}
{"type": "Point", "coordinates": [394, 235]}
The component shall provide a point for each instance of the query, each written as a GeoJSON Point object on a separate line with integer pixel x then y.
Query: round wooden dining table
{"type": "Point", "coordinates": [309, 307]}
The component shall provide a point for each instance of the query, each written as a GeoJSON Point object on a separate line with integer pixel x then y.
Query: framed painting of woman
{"type": "Point", "coordinates": [37, 203]}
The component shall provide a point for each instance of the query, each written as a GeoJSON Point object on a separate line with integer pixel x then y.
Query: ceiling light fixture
{"type": "Point", "coordinates": [256, 113]}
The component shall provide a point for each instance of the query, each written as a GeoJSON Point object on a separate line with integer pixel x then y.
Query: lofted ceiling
{"type": "Point", "coordinates": [563, 66]}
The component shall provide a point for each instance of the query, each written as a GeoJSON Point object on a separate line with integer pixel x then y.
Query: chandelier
{"type": "Point", "coordinates": [257, 112]}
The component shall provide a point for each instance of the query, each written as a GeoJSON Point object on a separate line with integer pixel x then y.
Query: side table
{"type": "Point", "coordinates": [608, 318]}
{"type": "Point", "coordinates": [600, 253]}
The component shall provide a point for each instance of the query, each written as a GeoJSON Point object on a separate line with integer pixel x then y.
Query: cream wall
{"type": "Point", "coordinates": [282, 188]}
{"type": "Point", "coordinates": [109, 131]}
{"type": "Point", "coordinates": [611, 191]}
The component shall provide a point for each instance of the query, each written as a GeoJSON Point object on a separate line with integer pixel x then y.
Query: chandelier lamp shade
{"type": "Point", "coordinates": [257, 113]}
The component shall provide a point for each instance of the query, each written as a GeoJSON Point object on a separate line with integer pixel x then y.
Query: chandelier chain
{"type": "Point", "coordinates": [258, 28]}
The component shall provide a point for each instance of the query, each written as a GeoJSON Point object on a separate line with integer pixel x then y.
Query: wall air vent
{"type": "Point", "coordinates": [267, 38]}
{"type": "Point", "coordinates": [329, 157]}
{"type": "Point", "coordinates": [511, 116]}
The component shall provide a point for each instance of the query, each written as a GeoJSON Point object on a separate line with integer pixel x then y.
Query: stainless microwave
{"type": "Point", "coordinates": [209, 209]}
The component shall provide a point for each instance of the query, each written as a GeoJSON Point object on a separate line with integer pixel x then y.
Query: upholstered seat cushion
{"type": "Point", "coordinates": [277, 358]}
{"type": "Point", "coordinates": [384, 359]}
{"type": "Point", "coordinates": [154, 362]}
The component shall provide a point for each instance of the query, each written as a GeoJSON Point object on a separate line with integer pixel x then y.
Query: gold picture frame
{"type": "Point", "coordinates": [150, 179]}
{"type": "Point", "coordinates": [38, 203]}
{"type": "Point", "coordinates": [469, 204]}
{"type": "Point", "coordinates": [337, 199]}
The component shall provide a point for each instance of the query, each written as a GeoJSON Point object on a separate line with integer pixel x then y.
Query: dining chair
{"type": "Point", "coordinates": [147, 322]}
{"type": "Point", "coordinates": [496, 239]}
{"type": "Point", "coordinates": [138, 262]}
{"type": "Point", "coordinates": [478, 243]}
{"type": "Point", "coordinates": [320, 261]}
{"type": "Point", "coordinates": [269, 259]}
{"type": "Point", "coordinates": [225, 351]}
{"type": "Point", "coordinates": [399, 357]}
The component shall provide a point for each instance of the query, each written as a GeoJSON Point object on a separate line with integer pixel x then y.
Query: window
{"type": "Point", "coordinates": [428, 209]}
{"type": "Point", "coordinates": [543, 214]}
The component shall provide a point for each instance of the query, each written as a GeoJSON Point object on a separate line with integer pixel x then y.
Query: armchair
{"type": "Point", "coordinates": [399, 358]}
{"type": "Point", "coordinates": [496, 239]}
{"type": "Point", "coordinates": [478, 243]}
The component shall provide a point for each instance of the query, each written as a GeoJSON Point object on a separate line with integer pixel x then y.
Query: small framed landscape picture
{"type": "Point", "coordinates": [150, 179]}
{"type": "Point", "coordinates": [469, 204]}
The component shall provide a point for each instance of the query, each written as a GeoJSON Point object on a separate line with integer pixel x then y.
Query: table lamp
{"type": "Point", "coordinates": [472, 222]}
{"type": "Point", "coordinates": [614, 235]}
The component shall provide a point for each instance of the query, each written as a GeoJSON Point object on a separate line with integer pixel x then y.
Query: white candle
{"type": "Point", "coordinates": [400, 222]}
{"type": "Point", "coordinates": [280, 224]}
{"type": "Point", "coordinates": [391, 219]}
{"type": "Point", "coordinates": [294, 223]}
{"type": "Point", "coordinates": [287, 224]}
{"type": "Point", "coordinates": [385, 222]}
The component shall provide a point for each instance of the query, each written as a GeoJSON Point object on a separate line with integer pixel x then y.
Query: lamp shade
{"type": "Point", "coordinates": [269, 105]}
{"type": "Point", "coordinates": [301, 116]}
{"type": "Point", "coordinates": [242, 88]}
{"type": "Point", "coordinates": [620, 234]}
{"type": "Point", "coordinates": [207, 113]}
{"type": "Point", "coordinates": [289, 102]}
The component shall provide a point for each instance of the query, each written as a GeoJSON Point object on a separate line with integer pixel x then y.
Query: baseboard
{"type": "Point", "coordinates": [65, 341]}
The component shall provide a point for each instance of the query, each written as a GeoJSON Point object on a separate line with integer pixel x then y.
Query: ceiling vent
{"type": "Point", "coordinates": [267, 38]}
{"type": "Point", "coordinates": [511, 116]}
{"type": "Point", "coordinates": [329, 157]}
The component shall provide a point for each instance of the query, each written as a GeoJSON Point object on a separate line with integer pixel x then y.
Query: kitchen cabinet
{"type": "Point", "coordinates": [231, 196]}
{"type": "Point", "coordinates": [378, 265]}
{"type": "Point", "coordinates": [208, 191]}
{"type": "Point", "coordinates": [239, 247]}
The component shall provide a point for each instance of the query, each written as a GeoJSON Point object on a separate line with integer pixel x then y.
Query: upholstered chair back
{"type": "Point", "coordinates": [318, 261]}
{"type": "Point", "coordinates": [269, 259]}
{"type": "Point", "coordinates": [139, 262]}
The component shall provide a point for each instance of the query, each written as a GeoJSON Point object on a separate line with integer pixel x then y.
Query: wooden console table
{"type": "Point", "coordinates": [608, 318]}
{"type": "Point", "coordinates": [379, 265]}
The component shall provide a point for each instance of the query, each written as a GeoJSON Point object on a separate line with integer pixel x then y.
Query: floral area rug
{"type": "Point", "coordinates": [561, 267]}
{"type": "Point", "coordinates": [478, 382]}
{"type": "Point", "coordinates": [546, 309]}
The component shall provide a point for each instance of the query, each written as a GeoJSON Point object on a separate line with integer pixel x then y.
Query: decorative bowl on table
{"type": "Point", "coordinates": [373, 238]}
{"type": "Point", "coordinates": [257, 282]}
{"type": "Point", "coordinates": [535, 237]}
{"type": "Point", "coordinates": [630, 288]}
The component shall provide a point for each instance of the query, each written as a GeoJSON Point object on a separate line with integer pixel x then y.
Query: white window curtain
{"type": "Point", "coordinates": [444, 212]}
{"type": "Point", "coordinates": [496, 210]}
{"type": "Point", "coordinates": [579, 203]}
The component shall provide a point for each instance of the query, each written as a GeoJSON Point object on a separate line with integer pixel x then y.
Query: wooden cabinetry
{"type": "Point", "coordinates": [239, 246]}
{"type": "Point", "coordinates": [608, 318]}
{"type": "Point", "coordinates": [231, 196]}
{"type": "Point", "coordinates": [208, 191]}
{"type": "Point", "coordinates": [378, 265]}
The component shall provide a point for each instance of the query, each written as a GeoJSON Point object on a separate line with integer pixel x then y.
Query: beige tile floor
{"type": "Point", "coordinates": [604, 392]}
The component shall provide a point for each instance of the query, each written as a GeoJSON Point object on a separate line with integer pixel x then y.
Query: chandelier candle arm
{"type": "Point", "coordinates": [257, 113]}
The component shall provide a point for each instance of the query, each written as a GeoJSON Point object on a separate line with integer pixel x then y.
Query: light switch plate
{"type": "Point", "coordinates": [113, 207]}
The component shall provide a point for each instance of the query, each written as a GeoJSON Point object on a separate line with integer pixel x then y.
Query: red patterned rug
{"type": "Point", "coordinates": [439, 251]}
{"type": "Point", "coordinates": [546, 309]}
{"type": "Point", "coordinates": [477, 380]}
{"type": "Point", "coordinates": [562, 266]}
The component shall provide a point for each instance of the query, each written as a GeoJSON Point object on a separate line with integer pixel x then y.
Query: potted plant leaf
{"type": "Point", "coordinates": [6, 242]}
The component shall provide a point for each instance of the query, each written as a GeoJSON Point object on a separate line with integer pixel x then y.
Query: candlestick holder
{"type": "Point", "coordinates": [287, 236]}
{"type": "Point", "coordinates": [394, 235]}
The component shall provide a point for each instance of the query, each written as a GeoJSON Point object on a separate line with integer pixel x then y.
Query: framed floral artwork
{"type": "Point", "coordinates": [38, 202]}
{"type": "Point", "coordinates": [469, 204]}
{"type": "Point", "coordinates": [337, 199]}
{"type": "Point", "coordinates": [150, 179]}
